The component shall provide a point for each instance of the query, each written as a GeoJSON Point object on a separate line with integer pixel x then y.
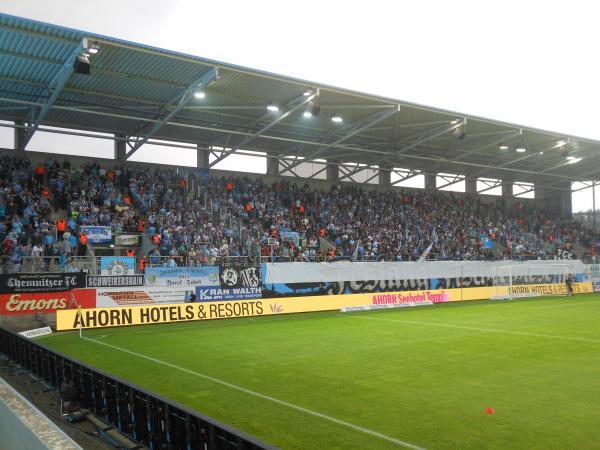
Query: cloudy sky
{"type": "Point", "coordinates": [533, 63]}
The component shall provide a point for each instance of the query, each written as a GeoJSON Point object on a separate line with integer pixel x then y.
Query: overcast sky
{"type": "Point", "coordinates": [534, 63]}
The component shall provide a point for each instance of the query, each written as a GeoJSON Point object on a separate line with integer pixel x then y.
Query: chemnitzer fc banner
{"type": "Point", "coordinates": [41, 282]}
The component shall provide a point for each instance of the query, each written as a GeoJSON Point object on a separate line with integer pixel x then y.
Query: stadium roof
{"type": "Point", "coordinates": [141, 92]}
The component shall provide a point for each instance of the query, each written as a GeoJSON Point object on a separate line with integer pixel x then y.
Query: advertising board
{"type": "Point", "coordinates": [46, 302]}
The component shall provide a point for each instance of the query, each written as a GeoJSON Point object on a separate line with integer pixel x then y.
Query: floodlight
{"type": "Point", "coordinates": [459, 133]}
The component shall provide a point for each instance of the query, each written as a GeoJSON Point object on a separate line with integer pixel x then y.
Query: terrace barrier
{"type": "Point", "coordinates": [147, 418]}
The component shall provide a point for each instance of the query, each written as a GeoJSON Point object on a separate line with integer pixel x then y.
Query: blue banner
{"type": "Point", "coordinates": [217, 293]}
{"type": "Point", "coordinates": [204, 276]}
{"type": "Point", "coordinates": [117, 265]}
{"type": "Point", "coordinates": [98, 235]}
{"type": "Point", "coordinates": [487, 243]}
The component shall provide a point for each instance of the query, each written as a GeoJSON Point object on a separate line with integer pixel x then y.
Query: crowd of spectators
{"type": "Point", "coordinates": [197, 219]}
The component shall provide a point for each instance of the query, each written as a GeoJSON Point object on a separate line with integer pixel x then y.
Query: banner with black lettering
{"type": "Point", "coordinates": [236, 276]}
{"type": "Point", "coordinates": [41, 282]}
{"type": "Point", "coordinates": [115, 281]}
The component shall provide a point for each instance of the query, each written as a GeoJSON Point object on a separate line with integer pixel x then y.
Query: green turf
{"type": "Point", "coordinates": [422, 375]}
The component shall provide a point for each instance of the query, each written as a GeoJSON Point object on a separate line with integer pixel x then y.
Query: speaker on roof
{"type": "Point", "coordinates": [82, 65]}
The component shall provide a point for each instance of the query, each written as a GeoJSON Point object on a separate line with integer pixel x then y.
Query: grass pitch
{"type": "Point", "coordinates": [420, 377]}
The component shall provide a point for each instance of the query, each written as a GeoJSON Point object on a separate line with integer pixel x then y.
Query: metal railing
{"type": "Point", "coordinates": [49, 264]}
{"type": "Point", "coordinates": [145, 417]}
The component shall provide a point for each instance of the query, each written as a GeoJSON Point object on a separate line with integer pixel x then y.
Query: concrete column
{"type": "Point", "coordinates": [507, 193]}
{"type": "Point", "coordinates": [471, 185]}
{"type": "Point", "coordinates": [430, 182]}
{"type": "Point", "coordinates": [202, 160]}
{"type": "Point", "coordinates": [120, 148]}
{"type": "Point", "coordinates": [333, 172]}
{"type": "Point", "coordinates": [272, 166]}
{"type": "Point", "coordinates": [385, 175]}
{"type": "Point", "coordinates": [19, 136]}
{"type": "Point", "coordinates": [557, 201]}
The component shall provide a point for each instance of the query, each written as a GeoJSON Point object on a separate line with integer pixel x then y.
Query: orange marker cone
{"type": "Point", "coordinates": [489, 410]}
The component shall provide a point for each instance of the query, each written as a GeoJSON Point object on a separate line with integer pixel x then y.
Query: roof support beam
{"type": "Point", "coordinates": [290, 108]}
{"type": "Point", "coordinates": [389, 155]}
{"type": "Point", "coordinates": [352, 130]}
{"type": "Point", "coordinates": [181, 100]}
{"type": "Point", "coordinates": [505, 135]}
{"type": "Point", "coordinates": [586, 186]}
{"type": "Point", "coordinates": [319, 171]}
{"type": "Point", "coordinates": [430, 137]}
{"type": "Point", "coordinates": [421, 140]}
{"type": "Point", "coordinates": [450, 180]}
{"type": "Point", "coordinates": [286, 168]}
{"type": "Point", "coordinates": [490, 185]}
{"type": "Point", "coordinates": [376, 174]}
{"type": "Point", "coordinates": [54, 89]}
{"type": "Point", "coordinates": [346, 173]}
{"type": "Point", "coordinates": [407, 176]}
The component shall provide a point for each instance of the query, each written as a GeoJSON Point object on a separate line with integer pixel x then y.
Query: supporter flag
{"type": "Point", "coordinates": [425, 254]}
{"type": "Point", "coordinates": [487, 243]}
{"type": "Point", "coordinates": [434, 238]}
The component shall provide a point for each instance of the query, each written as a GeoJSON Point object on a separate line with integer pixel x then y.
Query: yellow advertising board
{"type": "Point", "coordinates": [184, 312]}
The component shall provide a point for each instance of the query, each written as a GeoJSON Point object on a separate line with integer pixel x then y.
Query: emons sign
{"type": "Point", "coordinates": [48, 302]}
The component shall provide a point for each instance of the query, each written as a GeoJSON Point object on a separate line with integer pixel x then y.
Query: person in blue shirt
{"type": "Point", "coordinates": [48, 241]}
{"type": "Point", "coordinates": [62, 262]}
{"type": "Point", "coordinates": [73, 240]}
{"type": "Point", "coordinates": [17, 258]}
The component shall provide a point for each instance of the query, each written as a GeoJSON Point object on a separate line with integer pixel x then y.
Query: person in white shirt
{"type": "Point", "coordinates": [36, 254]}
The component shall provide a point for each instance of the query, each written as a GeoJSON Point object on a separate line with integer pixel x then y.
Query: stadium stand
{"type": "Point", "coordinates": [232, 216]}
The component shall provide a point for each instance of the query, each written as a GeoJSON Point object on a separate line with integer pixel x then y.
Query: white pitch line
{"type": "Point", "coordinates": [486, 330]}
{"type": "Point", "coordinates": [263, 396]}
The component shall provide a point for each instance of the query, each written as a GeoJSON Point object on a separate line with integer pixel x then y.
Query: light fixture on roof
{"type": "Point", "coordinates": [454, 122]}
{"type": "Point", "coordinates": [199, 94]}
{"type": "Point", "coordinates": [312, 109]}
{"type": "Point", "coordinates": [335, 117]}
{"type": "Point", "coordinates": [541, 153]}
{"type": "Point", "coordinates": [562, 143]}
{"type": "Point", "coordinates": [521, 150]}
{"type": "Point", "coordinates": [272, 107]}
{"type": "Point", "coordinates": [93, 50]}
{"type": "Point", "coordinates": [570, 158]}
{"type": "Point", "coordinates": [504, 147]}
{"type": "Point", "coordinates": [573, 160]}
{"type": "Point", "coordinates": [460, 133]}
{"type": "Point", "coordinates": [307, 92]}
